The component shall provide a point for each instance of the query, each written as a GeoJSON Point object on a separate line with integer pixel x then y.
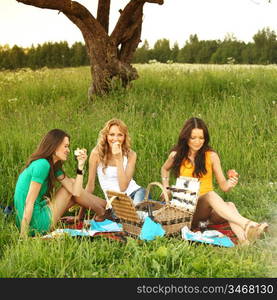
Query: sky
{"type": "Point", "coordinates": [175, 20]}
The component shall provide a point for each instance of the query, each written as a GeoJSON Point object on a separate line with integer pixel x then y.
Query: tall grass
{"type": "Point", "coordinates": [237, 102]}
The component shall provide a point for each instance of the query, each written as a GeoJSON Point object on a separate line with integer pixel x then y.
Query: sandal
{"type": "Point", "coordinates": [262, 228]}
{"type": "Point", "coordinates": [243, 243]}
{"type": "Point", "coordinates": [253, 232]}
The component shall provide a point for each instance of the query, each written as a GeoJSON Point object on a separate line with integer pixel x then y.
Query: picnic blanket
{"type": "Point", "coordinates": [225, 229]}
{"type": "Point", "coordinates": [90, 228]}
{"type": "Point", "coordinates": [104, 226]}
{"type": "Point", "coordinates": [212, 237]}
{"type": "Point", "coordinates": [103, 229]}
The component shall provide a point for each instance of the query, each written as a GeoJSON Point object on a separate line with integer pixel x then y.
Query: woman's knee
{"type": "Point", "coordinates": [207, 197]}
{"type": "Point", "coordinates": [61, 193]}
{"type": "Point", "coordinates": [231, 205]}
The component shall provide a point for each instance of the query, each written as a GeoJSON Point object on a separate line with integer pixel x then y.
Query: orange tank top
{"type": "Point", "coordinates": [206, 181]}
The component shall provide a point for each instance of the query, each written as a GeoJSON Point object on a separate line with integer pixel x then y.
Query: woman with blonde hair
{"type": "Point", "coordinates": [113, 161]}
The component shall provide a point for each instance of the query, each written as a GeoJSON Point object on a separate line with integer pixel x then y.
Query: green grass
{"type": "Point", "coordinates": [238, 103]}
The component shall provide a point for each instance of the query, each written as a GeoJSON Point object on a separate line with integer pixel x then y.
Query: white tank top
{"type": "Point", "coordinates": [109, 179]}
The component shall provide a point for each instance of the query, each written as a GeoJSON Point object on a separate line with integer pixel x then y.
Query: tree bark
{"type": "Point", "coordinates": [103, 13]}
{"type": "Point", "coordinates": [110, 55]}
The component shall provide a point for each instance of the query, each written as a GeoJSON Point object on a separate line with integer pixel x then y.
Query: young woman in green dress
{"type": "Point", "coordinates": [39, 206]}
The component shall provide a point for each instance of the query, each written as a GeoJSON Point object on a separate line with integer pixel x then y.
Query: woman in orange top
{"type": "Point", "coordinates": [192, 156]}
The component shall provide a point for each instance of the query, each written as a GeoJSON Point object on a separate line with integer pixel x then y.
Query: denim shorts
{"type": "Point", "coordinates": [138, 195]}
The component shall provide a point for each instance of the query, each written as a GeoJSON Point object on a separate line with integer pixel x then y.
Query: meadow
{"type": "Point", "coordinates": [238, 103]}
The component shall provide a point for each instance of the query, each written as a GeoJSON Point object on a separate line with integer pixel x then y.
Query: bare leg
{"type": "Point", "coordinates": [216, 219]}
{"type": "Point", "coordinates": [61, 202]}
{"type": "Point", "coordinates": [212, 200]}
{"type": "Point", "coordinates": [92, 202]}
{"type": "Point", "coordinates": [202, 212]}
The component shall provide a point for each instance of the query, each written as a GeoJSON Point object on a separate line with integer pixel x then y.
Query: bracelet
{"type": "Point", "coordinates": [164, 178]}
{"type": "Point", "coordinates": [80, 172]}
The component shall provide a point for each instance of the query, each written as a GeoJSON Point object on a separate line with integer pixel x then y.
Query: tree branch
{"type": "Point", "coordinates": [103, 13]}
{"type": "Point", "coordinates": [129, 47]}
{"type": "Point", "coordinates": [131, 37]}
{"type": "Point", "coordinates": [153, 1]}
{"type": "Point", "coordinates": [65, 6]}
{"type": "Point", "coordinates": [76, 12]}
{"type": "Point", "coordinates": [127, 19]}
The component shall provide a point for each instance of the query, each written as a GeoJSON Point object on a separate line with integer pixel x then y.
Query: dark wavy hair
{"type": "Point", "coordinates": [182, 148]}
{"type": "Point", "coordinates": [46, 148]}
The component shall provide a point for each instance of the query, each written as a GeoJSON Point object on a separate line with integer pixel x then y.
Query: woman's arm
{"type": "Point", "coordinates": [29, 207]}
{"type": "Point", "coordinates": [225, 185]}
{"type": "Point", "coordinates": [125, 176]}
{"type": "Point", "coordinates": [75, 186]}
{"type": "Point", "coordinates": [93, 164]}
{"type": "Point", "coordinates": [165, 170]}
{"type": "Point", "coordinates": [68, 184]}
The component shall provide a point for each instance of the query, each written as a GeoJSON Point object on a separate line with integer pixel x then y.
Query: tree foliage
{"type": "Point", "coordinates": [263, 50]}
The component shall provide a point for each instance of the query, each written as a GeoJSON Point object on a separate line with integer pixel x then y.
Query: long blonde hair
{"type": "Point", "coordinates": [102, 146]}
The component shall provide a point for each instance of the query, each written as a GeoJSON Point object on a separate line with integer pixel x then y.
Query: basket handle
{"type": "Point", "coordinates": [109, 202]}
{"type": "Point", "coordinates": [160, 186]}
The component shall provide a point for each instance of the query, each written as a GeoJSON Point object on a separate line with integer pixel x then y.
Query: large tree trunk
{"type": "Point", "coordinates": [110, 55]}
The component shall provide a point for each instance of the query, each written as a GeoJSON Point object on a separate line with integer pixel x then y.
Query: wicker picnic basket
{"type": "Point", "coordinates": [172, 218]}
{"type": "Point", "coordinates": [128, 213]}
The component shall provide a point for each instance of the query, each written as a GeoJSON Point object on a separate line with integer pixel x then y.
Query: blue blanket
{"type": "Point", "coordinates": [106, 225]}
{"type": "Point", "coordinates": [150, 230]}
{"type": "Point", "coordinates": [212, 237]}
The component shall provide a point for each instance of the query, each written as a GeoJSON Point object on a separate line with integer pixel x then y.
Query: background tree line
{"type": "Point", "coordinates": [56, 55]}
{"type": "Point", "coordinates": [51, 55]}
{"type": "Point", "coordinates": [262, 51]}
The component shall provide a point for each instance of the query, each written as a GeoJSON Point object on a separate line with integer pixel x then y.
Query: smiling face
{"type": "Point", "coordinates": [196, 140]}
{"type": "Point", "coordinates": [115, 135]}
{"type": "Point", "coordinates": [62, 151]}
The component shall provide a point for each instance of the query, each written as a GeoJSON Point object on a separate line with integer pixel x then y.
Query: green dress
{"type": "Point", "coordinates": [37, 171]}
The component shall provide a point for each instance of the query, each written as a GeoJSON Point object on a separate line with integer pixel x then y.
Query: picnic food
{"type": "Point", "coordinates": [78, 151]}
{"type": "Point", "coordinates": [232, 173]}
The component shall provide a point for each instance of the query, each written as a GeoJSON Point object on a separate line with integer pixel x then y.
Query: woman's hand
{"type": "Point", "coordinates": [232, 173]}
{"type": "Point", "coordinates": [116, 150]}
{"type": "Point", "coordinates": [233, 177]}
{"type": "Point", "coordinates": [81, 158]}
{"type": "Point", "coordinates": [232, 182]}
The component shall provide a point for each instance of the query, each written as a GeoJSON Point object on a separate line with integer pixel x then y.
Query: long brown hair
{"type": "Point", "coordinates": [182, 148]}
{"type": "Point", "coordinates": [46, 148]}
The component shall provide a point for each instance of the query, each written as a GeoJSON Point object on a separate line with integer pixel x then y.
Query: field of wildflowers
{"type": "Point", "coordinates": [237, 102]}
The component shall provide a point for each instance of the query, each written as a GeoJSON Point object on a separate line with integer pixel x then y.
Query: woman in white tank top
{"type": "Point", "coordinates": [113, 161]}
